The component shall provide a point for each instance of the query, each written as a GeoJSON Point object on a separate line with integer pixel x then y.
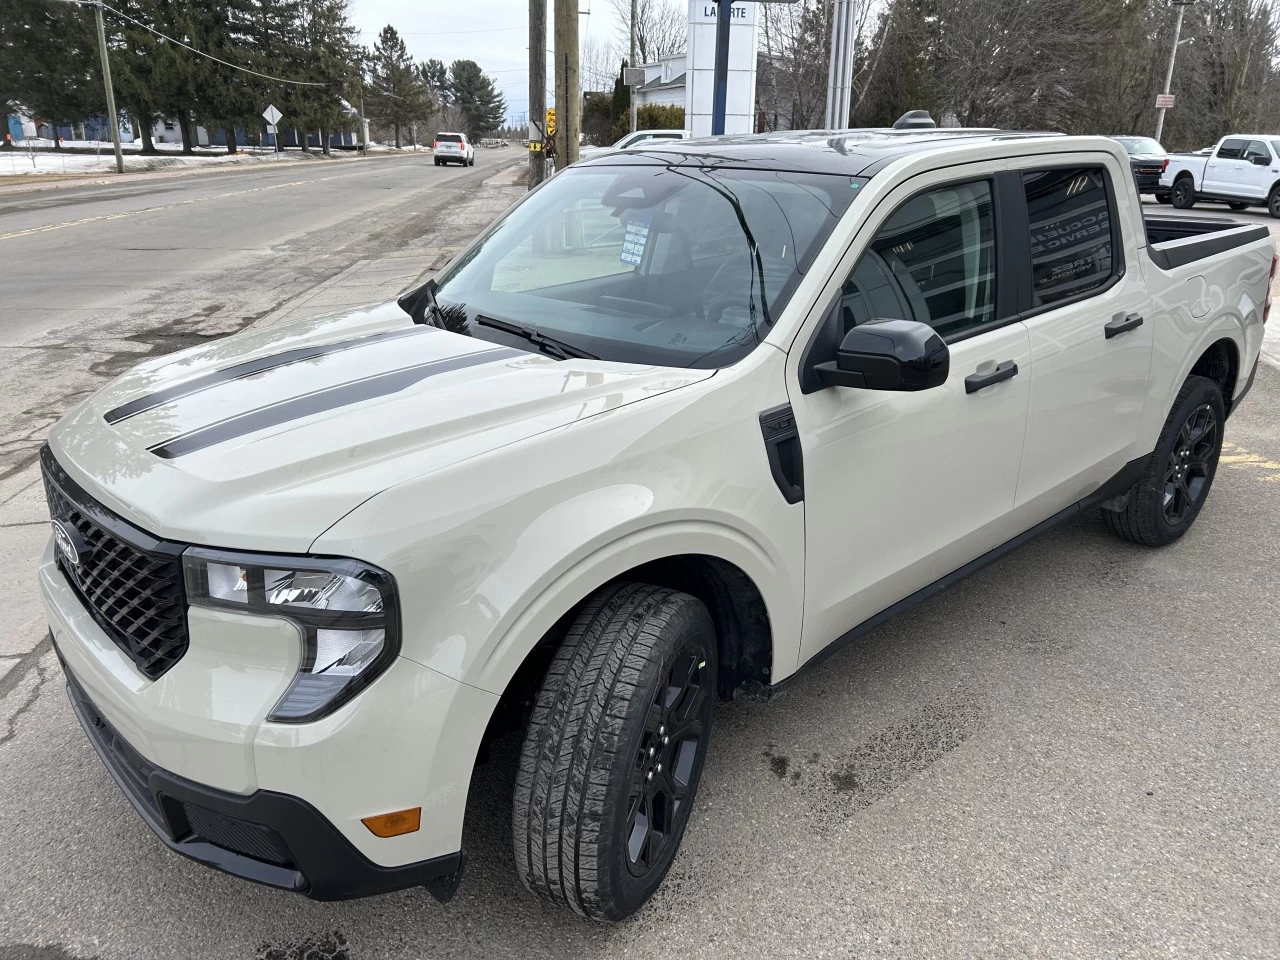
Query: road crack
{"type": "Point", "coordinates": [30, 661]}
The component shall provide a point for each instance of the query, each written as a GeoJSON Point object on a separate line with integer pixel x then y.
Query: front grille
{"type": "Point", "coordinates": [239, 836]}
{"type": "Point", "coordinates": [130, 581]}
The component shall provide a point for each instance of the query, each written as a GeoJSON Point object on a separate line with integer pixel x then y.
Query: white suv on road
{"type": "Point", "coordinates": [667, 432]}
{"type": "Point", "coordinates": [454, 148]}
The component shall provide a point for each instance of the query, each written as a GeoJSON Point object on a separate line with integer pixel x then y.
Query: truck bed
{"type": "Point", "coordinates": [1174, 241]}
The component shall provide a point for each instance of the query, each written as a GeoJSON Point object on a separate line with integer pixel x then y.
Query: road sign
{"type": "Point", "coordinates": [272, 115]}
{"type": "Point", "coordinates": [633, 76]}
{"type": "Point", "coordinates": [1164, 101]}
{"type": "Point", "coordinates": [551, 121]}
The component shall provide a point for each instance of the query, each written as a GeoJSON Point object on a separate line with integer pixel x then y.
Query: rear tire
{"type": "Point", "coordinates": [437, 160]}
{"type": "Point", "coordinates": [1183, 195]}
{"type": "Point", "coordinates": [1175, 484]}
{"type": "Point", "coordinates": [614, 750]}
{"type": "Point", "coordinates": [1273, 203]}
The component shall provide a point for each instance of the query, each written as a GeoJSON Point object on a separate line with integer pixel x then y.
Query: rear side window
{"type": "Point", "coordinates": [1071, 232]}
{"type": "Point", "coordinates": [1231, 150]}
{"type": "Point", "coordinates": [933, 261]}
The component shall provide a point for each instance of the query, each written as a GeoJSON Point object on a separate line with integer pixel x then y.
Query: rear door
{"type": "Point", "coordinates": [1224, 172]}
{"type": "Point", "coordinates": [1088, 316]}
{"type": "Point", "coordinates": [900, 489]}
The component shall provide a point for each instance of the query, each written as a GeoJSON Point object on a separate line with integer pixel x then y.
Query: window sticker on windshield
{"type": "Point", "coordinates": [633, 241]}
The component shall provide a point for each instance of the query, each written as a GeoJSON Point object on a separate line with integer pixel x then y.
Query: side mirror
{"type": "Point", "coordinates": [888, 355]}
{"type": "Point", "coordinates": [1260, 161]}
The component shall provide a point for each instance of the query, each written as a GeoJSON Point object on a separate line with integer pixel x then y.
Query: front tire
{"type": "Point", "coordinates": [614, 750]}
{"type": "Point", "coordinates": [1273, 203]}
{"type": "Point", "coordinates": [1175, 484]}
{"type": "Point", "coordinates": [1184, 194]}
{"type": "Point", "coordinates": [1162, 198]}
{"type": "Point", "coordinates": [1237, 205]}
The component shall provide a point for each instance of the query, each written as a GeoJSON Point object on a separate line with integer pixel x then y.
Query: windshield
{"type": "Point", "coordinates": [1141, 146]}
{"type": "Point", "coordinates": [647, 263]}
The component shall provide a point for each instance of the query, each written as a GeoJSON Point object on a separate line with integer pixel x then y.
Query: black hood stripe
{"type": "Point", "coordinates": [247, 369]}
{"type": "Point", "coordinates": [330, 398]}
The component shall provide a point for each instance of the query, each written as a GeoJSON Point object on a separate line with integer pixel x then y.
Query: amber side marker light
{"type": "Point", "coordinates": [394, 824]}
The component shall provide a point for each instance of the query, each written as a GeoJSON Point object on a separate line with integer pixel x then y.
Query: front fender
{"type": "Point", "coordinates": [489, 553]}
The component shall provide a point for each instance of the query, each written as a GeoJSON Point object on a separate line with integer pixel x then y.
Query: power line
{"type": "Point", "coordinates": [446, 33]}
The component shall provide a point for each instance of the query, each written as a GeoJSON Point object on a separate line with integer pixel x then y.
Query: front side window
{"type": "Point", "coordinates": [649, 263]}
{"type": "Point", "coordinates": [932, 261]}
{"type": "Point", "coordinates": [1257, 148]}
{"type": "Point", "coordinates": [1071, 241]}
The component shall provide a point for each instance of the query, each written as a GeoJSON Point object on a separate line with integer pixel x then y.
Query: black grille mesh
{"type": "Point", "coordinates": [238, 836]}
{"type": "Point", "coordinates": [133, 591]}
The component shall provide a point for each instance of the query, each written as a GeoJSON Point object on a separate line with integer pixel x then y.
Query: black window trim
{"type": "Point", "coordinates": [1119, 262]}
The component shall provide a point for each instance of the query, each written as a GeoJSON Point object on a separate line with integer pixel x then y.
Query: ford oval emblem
{"type": "Point", "coordinates": [66, 541]}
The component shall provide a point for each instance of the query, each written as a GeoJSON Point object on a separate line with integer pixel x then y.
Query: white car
{"type": "Point", "coordinates": [1242, 170]}
{"type": "Point", "coordinates": [641, 138]}
{"type": "Point", "coordinates": [454, 148]}
{"type": "Point", "coordinates": [664, 435]}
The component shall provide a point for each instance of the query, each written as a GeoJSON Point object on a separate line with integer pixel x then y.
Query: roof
{"type": "Point", "coordinates": [846, 152]}
{"type": "Point", "coordinates": [657, 82]}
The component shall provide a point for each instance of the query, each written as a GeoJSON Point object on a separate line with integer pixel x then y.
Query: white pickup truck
{"type": "Point", "coordinates": [1243, 170]}
{"type": "Point", "coordinates": [678, 425]}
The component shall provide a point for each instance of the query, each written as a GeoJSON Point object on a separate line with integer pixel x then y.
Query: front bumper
{"type": "Point", "coordinates": [268, 837]}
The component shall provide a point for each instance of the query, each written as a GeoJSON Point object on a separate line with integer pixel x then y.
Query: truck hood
{"type": "Point", "coordinates": [263, 440]}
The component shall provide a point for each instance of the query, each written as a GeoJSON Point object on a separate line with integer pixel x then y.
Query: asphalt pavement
{"type": "Point", "coordinates": [1073, 754]}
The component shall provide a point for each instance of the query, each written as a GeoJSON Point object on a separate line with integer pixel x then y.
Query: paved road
{"type": "Point", "coordinates": [1075, 753]}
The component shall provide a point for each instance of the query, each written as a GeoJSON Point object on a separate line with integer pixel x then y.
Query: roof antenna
{"type": "Point", "coordinates": [915, 120]}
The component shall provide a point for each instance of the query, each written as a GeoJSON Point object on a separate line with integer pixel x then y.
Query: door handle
{"type": "Point", "coordinates": [976, 381]}
{"type": "Point", "coordinates": [1122, 325]}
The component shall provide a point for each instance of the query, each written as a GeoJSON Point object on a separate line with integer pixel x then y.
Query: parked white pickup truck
{"type": "Point", "coordinates": [1243, 170]}
{"type": "Point", "coordinates": [678, 425]}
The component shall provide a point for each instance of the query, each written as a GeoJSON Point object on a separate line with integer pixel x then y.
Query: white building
{"type": "Point", "coordinates": [664, 82]}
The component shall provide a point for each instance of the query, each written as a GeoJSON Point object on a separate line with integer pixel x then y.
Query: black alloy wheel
{"type": "Point", "coordinates": [673, 738]}
{"type": "Point", "coordinates": [1273, 203]}
{"type": "Point", "coordinates": [1184, 194]}
{"type": "Point", "coordinates": [1176, 477]}
{"type": "Point", "coordinates": [1190, 467]}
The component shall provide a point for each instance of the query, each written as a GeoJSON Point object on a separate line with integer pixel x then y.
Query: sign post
{"type": "Point", "coordinates": [272, 116]}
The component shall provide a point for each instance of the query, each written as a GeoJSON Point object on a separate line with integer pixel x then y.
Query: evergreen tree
{"type": "Point", "coordinates": [436, 76]}
{"type": "Point", "coordinates": [396, 94]}
{"type": "Point", "coordinates": [49, 62]}
{"type": "Point", "coordinates": [477, 99]}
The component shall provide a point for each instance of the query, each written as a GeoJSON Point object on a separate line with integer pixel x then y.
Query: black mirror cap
{"type": "Point", "coordinates": [1261, 161]}
{"type": "Point", "coordinates": [415, 302]}
{"type": "Point", "coordinates": [902, 355]}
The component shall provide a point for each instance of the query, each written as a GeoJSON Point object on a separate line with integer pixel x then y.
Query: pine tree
{"type": "Point", "coordinates": [49, 62]}
{"type": "Point", "coordinates": [477, 99]}
{"type": "Point", "coordinates": [396, 93]}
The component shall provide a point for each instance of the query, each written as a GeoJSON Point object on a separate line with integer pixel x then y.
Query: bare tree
{"type": "Point", "coordinates": [661, 28]}
{"type": "Point", "coordinates": [600, 59]}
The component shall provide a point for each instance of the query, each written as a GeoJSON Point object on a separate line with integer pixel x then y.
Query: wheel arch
{"type": "Point", "coordinates": [1219, 362]}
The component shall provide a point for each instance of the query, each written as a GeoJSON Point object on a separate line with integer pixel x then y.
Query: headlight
{"type": "Point", "coordinates": [347, 611]}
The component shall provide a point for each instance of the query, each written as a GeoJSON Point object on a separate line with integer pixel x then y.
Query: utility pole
{"type": "Point", "coordinates": [632, 62]}
{"type": "Point", "coordinates": [537, 90]}
{"type": "Point", "coordinates": [568, 87]}
{"type": "Point", "coordinates": [1173, 55]}
{"type": "Point", "coordinates": [113, 118]}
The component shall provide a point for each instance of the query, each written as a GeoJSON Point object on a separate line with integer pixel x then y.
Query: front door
{"type": "Point", "coordinates": [1259, 173]}
{"type": "Point", "coordinates": [902, 488]}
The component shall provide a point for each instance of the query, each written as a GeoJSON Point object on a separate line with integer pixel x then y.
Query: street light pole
{"type": "Point", "coordinates": [1173, 56]}
{"type": "Point", "coordinates": [113, 118]}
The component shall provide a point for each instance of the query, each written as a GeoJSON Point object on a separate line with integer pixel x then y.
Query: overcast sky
{"type": "Point", "coordinates": [494, 33]}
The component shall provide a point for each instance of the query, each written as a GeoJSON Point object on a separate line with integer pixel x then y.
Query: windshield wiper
{"type": "Point", "coordinates": [548, 345]}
